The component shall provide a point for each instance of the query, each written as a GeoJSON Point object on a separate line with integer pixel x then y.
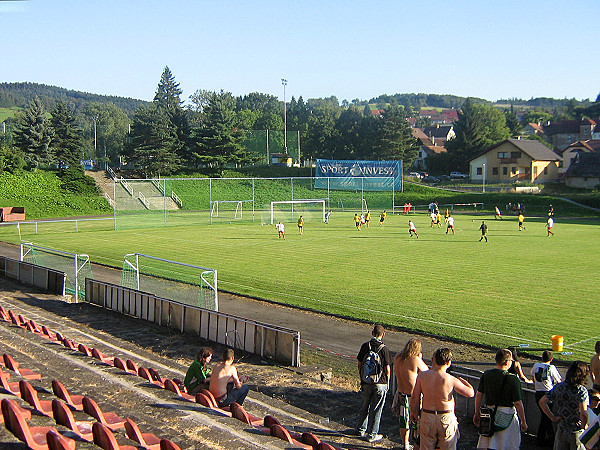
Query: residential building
{"type": "Point", "coordinates": [562, 134]}
{"type": "Point", "coordinates": [533, 128]}
{"type": "Point", "coordinates": [515, 160]}
{"type": "Point", "coordinates": [426, 149]}
{"type": "Point", "coordinates": [584, 171]}
{"type": "Point", "coordinates": [440, 134]}
{"type": "Point", "coordinates": [570, 153]}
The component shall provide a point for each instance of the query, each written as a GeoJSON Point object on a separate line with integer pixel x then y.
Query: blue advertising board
{"type": "Point", "coordinates": [354, 174]}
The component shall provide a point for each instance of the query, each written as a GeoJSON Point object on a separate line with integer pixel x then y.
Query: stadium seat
{"type": "Point", "coordinates": [132, 366]}
{"type": "Point", "coordinates": [84, 349]}
{"type": "Point", "coordinates": [145, 373]}
{"type": "Point", "coordinates": [30, 395]}
{"type": "Point", "coordinates": [69, 344]}
{"type": "Point", "coordinates": [105, 439]}
{"type": "Point", "coordinates": [109, 419]}
{"type": "Point", "coordinates": [4, 314]}
{"type": "Point", "coordinates": [57, 441]}
{"type": "Point", "coordinates": [11, 387]}
{"type": "Point", "coordinates": [166, 444]}
{"type": "Point", "coordinates": [108, 360]}
{"type": "Point", "coordinates": [269, 420]}
{"type": "Point", "coordinates": [239, 413]}
{"type": "Point", "coordinates": [35, 328]}
{"type": "Point", "coordinates": [146, 440]}
{"type": "Point", "coordinates": [74, 401]}
{"type": "Point", "coordinates": [63, 416]}
{"type": "Point", "coordinates": [120, 364]}
{"type": "Point", "coordinates": [170, 385]}
{"type": "Point", "coordinates": [283, 434]}
{"type": "Point", "coordinates": [50, 334]}
{"type": "Point", "coordinates": [11, 364]}
{"type": "Point", "coordinates": [310, 439]}
{"type": "Point", "coordinates": [34, 437]}
{"type": "Point", "coordinates": [26, 413]}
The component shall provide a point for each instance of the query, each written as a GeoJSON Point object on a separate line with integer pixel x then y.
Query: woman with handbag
{"type": "Point", "coordinates": [504, 399]}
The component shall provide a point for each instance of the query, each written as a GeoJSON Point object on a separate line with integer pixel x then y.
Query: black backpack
{"type": "Point", "coordinates": [371, 366]}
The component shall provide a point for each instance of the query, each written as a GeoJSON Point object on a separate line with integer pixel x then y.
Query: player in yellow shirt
{"type": "Point", "coordinates": [357, 221]}
{"type": "Point", "coordinates": [521, 219]}
{"type": "Point", "coordinates": [368, 218]}
{"type": "Point", "coordinates": [438, 219]}
{"type": "Point", "coordinates": [382, 217]}
{"type": "Point", "coordinates": [301, 225]}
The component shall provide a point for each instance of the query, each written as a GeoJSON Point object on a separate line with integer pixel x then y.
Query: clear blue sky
{"type": "Point", "coordinates": [347, 48]}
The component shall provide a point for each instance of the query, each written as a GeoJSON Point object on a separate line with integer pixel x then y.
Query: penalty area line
{"type": "Point", "coordinates": [460, 327]}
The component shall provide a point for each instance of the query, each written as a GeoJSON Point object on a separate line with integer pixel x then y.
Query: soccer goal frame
{"type": "Point", "coordinates": [76, 266]}
{"type": "Point", "coordinates": [298, 202]}
{"type": "Point", "coordinates": [133, 272]}
{"type": "Point", "coordinates": [239, 208]}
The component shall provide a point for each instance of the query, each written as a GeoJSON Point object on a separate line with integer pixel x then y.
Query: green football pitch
{"type": "Point", "coordinates": [520, 288]}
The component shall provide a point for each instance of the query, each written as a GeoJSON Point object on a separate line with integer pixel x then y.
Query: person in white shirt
{"type": "Point", "coordinates": [545, 377]}
{"type": "Point", "coordinates": [450, 222]}
{"type": "Point", "coordinates": [280, 230]}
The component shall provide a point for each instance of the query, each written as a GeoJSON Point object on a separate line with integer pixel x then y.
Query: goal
{"type": "Point", "coordinates": [228, 209]}
{"type": "Point", "coordinates": [185, 283]}
{"type": "Point", "coordinates": [286, 208]}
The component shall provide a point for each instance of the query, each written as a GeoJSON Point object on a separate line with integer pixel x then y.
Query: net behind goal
{"type": "Point", "coordinates": [291, 210]}
{"type": "Point", "coordinates": [185, 283]}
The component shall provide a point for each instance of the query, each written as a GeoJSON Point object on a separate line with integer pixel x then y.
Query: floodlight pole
{"type": "Point", "coordinates": [284, 82]}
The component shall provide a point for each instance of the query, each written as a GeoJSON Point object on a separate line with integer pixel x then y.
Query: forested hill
{"type": "Point", "coordinates": [20, 94]}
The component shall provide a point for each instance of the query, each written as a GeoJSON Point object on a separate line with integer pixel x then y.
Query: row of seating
{"type": "Point", "coordinates": [99, 432]}
{"type": "Point", "coordinates": [268, 425]}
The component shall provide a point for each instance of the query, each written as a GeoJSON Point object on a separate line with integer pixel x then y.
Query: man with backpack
{"type": "Point", "coordinates": [374, 369]}
{"type": "Point", "coordinates": [545, 378]}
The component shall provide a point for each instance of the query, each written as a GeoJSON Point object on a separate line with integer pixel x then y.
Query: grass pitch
{"type": "Point", "coordinates": [519, 288]}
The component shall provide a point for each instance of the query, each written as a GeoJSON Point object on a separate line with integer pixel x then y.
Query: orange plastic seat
{"type": "Point", "coordinates": [145, 374]}
{"type": "Point", "coordinates": [51, 335]}
{"type": "Point", "coordinates": [63, 416]}
{"type": "Point", "coordinates": [104, 438]}
{"type": "Point", "coordinates": [4, 314]}
{"type": "Point", "coordinates": [270, 421]}
{"type": "Point", "coordinates": [108, 360]}
{"type": "Point", "coordinates": [35, 328]}
{"type": "Point", "coordinates": [147, 440]}
{"type": "Point", "coordinates": [74, 401]}
{"type": "Point", "coordinates": [34, 437]}
{"type": "Point", "coordinates": [26, 413]}
{"type": "Point", "coordinates": [132, 366]}
{"type": "Point", "coordinates": [283, 434]}
{"type": "Point", "coordinates": [158, 378]}
{"type": "Point", "coordinates": [109, 419]}
{"type": "Point", "coordinates": [310, 439]}
{"type": "Point", "coordinates": [11, 364]}
{"type": "Point", "coordinates": [57, 441]}
{"type": "Point", "coordinates": [11, 387]}
{"type": "Point", "coordinates": [14, 319]}
{"type": "Point", "coordinates": [84, 349]}
{"type": "Point", "coordinates": [69, 344]}
{"type": "Point", "coordinates": [239, 413]}
{"type": "Point", "coordinates": [120, 364]}
{"type": "Point", "coordinates": [30, 395]}
{"type": "Point", "coordinates": [170, 385]}
{"type": "Point", "coordinates": [166, 444]}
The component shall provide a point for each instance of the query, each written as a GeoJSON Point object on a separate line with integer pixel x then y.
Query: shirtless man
{"type": "Point", "coordinates": [438, 422]}
{"type": "Point", "coordinates": [225, 384]}
{"type": "Point", "coordinates": [407, 365]}
{"type": "Point", "coordinates": [595, 367]}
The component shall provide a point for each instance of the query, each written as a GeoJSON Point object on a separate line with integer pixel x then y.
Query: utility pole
{"type": "Point", "coordinates": [284, 82]}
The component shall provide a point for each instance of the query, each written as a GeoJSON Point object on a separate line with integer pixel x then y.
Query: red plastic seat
{"type": "Point", "coordinates": [166, 444]}
{"type": "Point", "coordinates": [26, 413]}
{"type": "Point", "coordinates": [158, 378]}
{"type": "Point", "coordinates": [51, 335]}
{"type": "Point", "coordinates": [145, 374]}
{"type": "Point", "coordinates": [104, 438]}
{"type": "Point", "coordinates": [214, 401]}
{"type": "Point", "coordinates": [69, 344]}
{"type": "Point", "coordinates": [63, 416]}
{"type": "Point", "coordinates": [132, 366]}
{"type": "Point", "coordinates": [108, 360]}
{"type": "Point", "coordinates": [34, 437]}
{"type": "Point", "coordinates": [35, 328]}
{"type": "Point", "coordinates": [310, 439]}
{"type": "Point", "coordinates": [283, 434]}
{"type": "Point", "coordinates": [12, 387]}
{"type": "Point", "coordinates": [147, 440]}
{"type": "Point", "coordinates": [57, 441]}
{"type": "Point", "coordinates": [269, 421]}
{"type": "Point", "coordinates": [239, 413]}
{"type": "Point", "coordinates": [109, 419]}
{"type": "Point", "coordinates": [170, 385]}
{"type": "Point", "coordinates": [74, 401]}
{"type": "Point", "coordinates": [84, 349]}
{"type": "Point", "coordinates": [30, 395]}
{"type": "Point", "coordinates": [120, 364]}
{"type": "Point", "coordinates": [4, 314]}
{"type": "Point", "coordinates": [11, 364]}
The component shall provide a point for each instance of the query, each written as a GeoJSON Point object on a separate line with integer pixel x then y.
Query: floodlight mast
{"type": "Point", "coordinates": [284, 82]}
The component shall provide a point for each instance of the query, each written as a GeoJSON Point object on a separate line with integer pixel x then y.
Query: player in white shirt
{"type": "Point", "coordinates": [450, 222]}
{"type": "Point", "coordinates": [280, 230]}
{"type": "Point", "coordinates": [412, 229]}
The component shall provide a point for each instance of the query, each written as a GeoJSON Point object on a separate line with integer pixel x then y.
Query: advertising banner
{"type": "Point", "coordinates": [353, 174]}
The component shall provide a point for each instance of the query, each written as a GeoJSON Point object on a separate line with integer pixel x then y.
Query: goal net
{"type": "Point", "coordinates": [77, 267]}
{"type": "Point", "coordinates": [290, 210]}
{"type": "Point", "coordinates": [228, 209]}
{"type": "Point", "coordinates": [185, 283]}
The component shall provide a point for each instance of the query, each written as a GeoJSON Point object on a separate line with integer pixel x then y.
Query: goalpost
{"type": "Point", "coordinates": [228, 208]}
{"type": "Point", "coordinates": [320, 202]}
{"type": "Point", "coordinates": [186, 283]}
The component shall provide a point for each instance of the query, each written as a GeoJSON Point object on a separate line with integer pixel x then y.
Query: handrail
{"type": "Point", "coordinates": [176, 199]}
{"type": "Point", "coordinates": [143, 200]}
{"type": "Point", "coordinates": [126, 186]}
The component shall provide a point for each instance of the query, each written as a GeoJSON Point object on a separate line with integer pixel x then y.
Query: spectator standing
{"type": "Point", "coordinates": [225, 384]}
{"type": "Point", "coordinates": [374, 389]}
{"type": "Point", "coordinates": [570, 400]}
{"type": "Point", "coordinates": [516, 368]}
{"type": "Point", "coordinates": [595, 367]}
{"type": "Point", "coordinates": [197, 376]}
{"type": "Point", "coordinates": [502, 389]}
{"type": "Point", "coordinates": [407, 365]}
{"type": "Point", "coordinates": [545, 376]}
{"type": "Point", "coordinates": [438, 423]}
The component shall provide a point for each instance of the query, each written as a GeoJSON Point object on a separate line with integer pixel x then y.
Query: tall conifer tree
{"type": "Point", "coordinates": [33, 133]}
{"type": "Point", "coordinates": [67, 141]}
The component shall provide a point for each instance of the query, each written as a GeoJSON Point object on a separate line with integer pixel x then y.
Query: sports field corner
{"type": "Point", "coordinates": [520, 288]}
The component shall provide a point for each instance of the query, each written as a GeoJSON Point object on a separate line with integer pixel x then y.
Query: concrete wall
{"type": "Point", "coordinates": [50, 280]}
{"type": "Point", "coordinates": [269, 341]}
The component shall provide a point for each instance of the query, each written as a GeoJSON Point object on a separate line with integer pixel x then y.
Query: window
{"type": "Point", "coordinates": [513, 170]}
{"type": "Point", "coordinates": [505, 171]}
{"type": "Point", "coordinates": [535, 171]}
{"type": "Point", "coordinates": [494, 171]}
{"type": "Point", "coordinates": [546, 170]}
{"type": "Point", "coordinates": [479, 171]}
{"type": "Point", "coordinates": [502, 155]}
{"type": "Point", "coordinates": [515, 155]}
{"type": "Point", "coordinates": [527, 170]}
